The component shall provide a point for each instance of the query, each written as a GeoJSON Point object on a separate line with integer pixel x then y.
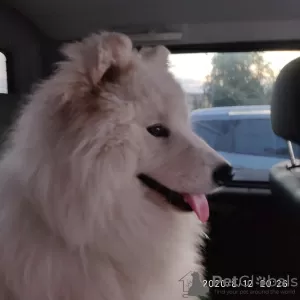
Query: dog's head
{"type": "Point", "coordinates": [113, 119]}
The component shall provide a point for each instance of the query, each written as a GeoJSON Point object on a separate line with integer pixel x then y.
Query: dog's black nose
{"type": "Point", "coordinates": [223, 174]}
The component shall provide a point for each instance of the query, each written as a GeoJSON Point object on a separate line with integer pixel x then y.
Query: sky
{"type": "Point", "coordinates": [197, 65]}
{"type": "Point", "coordinates": [193, 66]}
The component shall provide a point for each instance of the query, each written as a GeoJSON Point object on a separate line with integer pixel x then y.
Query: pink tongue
{"type": "Point", "coordinates": [199, 205]}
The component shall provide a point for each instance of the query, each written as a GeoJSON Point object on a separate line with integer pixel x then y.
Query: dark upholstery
{"type": "Point", "coordinates": [9, 106]}
{"type": "Point", "coordinates": [20, 42]}
{"type": "Point", "coordinates": [285, 184]}
{"type": "Point", "coordinates": [285, 106]}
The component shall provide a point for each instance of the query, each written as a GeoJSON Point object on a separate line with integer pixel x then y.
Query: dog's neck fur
{"type": "Point", "coordinates": [137, 255]}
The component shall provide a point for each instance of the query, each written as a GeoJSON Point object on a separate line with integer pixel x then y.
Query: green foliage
{"type": "Point", "coordinates": [239, 79]}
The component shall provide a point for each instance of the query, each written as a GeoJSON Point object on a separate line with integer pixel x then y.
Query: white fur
{"type": "Point", "coordinates": [75, 222]}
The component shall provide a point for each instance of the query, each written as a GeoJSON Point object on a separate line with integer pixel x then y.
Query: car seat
{"type": "Point", "coordinates": [285, 118]}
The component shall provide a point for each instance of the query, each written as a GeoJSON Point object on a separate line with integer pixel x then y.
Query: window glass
{"type": "Point", "coordinates": [217, 134]}
{"type": "Point", "coordinates": [3, 74]}
{"type": "Point", "coordinates": [254, 137]}
{"type": "Point", "coordinates": [250, 137]}
{"type": "Point", "coordinates": [229, 98]}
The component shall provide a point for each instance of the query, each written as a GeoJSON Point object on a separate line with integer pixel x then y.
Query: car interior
{"type": "Point", "coordinates": [254, 225]}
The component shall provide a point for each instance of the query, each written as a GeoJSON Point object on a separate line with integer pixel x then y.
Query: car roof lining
{"type": "Point", "coordinates": [200, 21]}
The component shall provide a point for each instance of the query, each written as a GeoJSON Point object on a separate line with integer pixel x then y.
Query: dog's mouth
{"type": "Point", "coordinates": [181, 201]}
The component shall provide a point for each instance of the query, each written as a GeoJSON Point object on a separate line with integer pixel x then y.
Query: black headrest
{"type": "Point", "coordinates": [285, 104]}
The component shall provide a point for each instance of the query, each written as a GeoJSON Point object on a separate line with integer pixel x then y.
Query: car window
{"type": "Point", "coordinates": [254, 137]}
{"type": "Point", "coordinates": [229, 98]}
{"type": "Point", "coordinates": [217, 133]}
{"type": "Point", "coordinates": [3, 74]}
{"type": "Point", "coordinates": [249, 137]}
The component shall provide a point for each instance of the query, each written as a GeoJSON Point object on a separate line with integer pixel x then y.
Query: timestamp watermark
{"type": "Point", "coordinates": [252, 281]}
{"type": "Point", "coordinates": [247, 284]}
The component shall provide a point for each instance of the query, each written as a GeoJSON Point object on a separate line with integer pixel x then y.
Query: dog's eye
{"type": "Point", "coordinates": [159, 130]}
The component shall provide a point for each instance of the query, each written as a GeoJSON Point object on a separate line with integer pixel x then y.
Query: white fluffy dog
{"type": "Point", "coordinates": [99, 179]}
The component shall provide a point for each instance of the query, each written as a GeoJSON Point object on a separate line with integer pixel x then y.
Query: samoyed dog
{"type": "Point", "coordinates": [102, 180]}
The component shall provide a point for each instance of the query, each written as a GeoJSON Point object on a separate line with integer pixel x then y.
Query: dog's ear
{"type": "Point", "coordinates": [158, 55]}
{"type": "Point", "coordinates": [97, 59]}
